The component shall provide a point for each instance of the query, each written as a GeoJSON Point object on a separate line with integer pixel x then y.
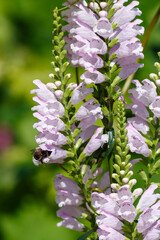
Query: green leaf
{"type": "Point", "coordinates": [84, 236]}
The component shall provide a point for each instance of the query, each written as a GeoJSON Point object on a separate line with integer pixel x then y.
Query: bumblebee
{"type": "Point", "coordinates": [39, 155]}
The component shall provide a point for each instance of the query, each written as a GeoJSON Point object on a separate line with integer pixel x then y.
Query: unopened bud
{"type": "Point", "coordinates": [57, 70]}
{"type": "Point", "coordinates": [123, 164]}
{"type": "Point", "coordinates": [51, 86]}
{"type": "Point", "coordinates": [115, 186]}
{"type": "Point", "coordinates": [158, 82]}
{"type": "Point", "coordinates": [103, 13]}
{"type": "Point", "coordinates": [117, 6]}
{"type": "Point", "coordinates": [137, 192]}
{"type": "Point", "coordinates": [103, 5]}
{"type": "Point", "coordinates": [153, 76]}
{"type": "Point", "coordinates": [132, 182]}
{"type": "Point", "coordinates": [125, 180]}
{"type": "Point", "coordinates": [59, 94]}
{"type": "Point", "coordinates": [58, 83]}
{"type": "Point", "coordinates": [51, 76]}
{"type": "Point", "coordinates": [72, 86]}
{"type": "Point", "coordinates": [94, 5]}
{"type": "Point", "coordinates": [122, 172]}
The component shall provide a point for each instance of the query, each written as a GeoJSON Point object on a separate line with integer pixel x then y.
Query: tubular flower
{"type": "Point", "coordinates": [145, 104]}
{"type": "Point", "coordinates": [88, 32]}
{"type": "Point", "coordinates": [69, 197]}
{"type": "Point", "coordinates": [49, 125]}
{"type": "Point", "coordinates": [113, 209]}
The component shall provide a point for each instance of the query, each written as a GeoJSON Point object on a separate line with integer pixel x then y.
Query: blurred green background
{"type": "Point", "coordinates": [27, 205]}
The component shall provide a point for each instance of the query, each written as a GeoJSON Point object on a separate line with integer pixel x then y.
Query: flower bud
{"type": "Point", "coordinates": [51, 86]}
{"type": "Point", "coordinates": [103, 13]}
{"type": "Point", "coordinates": [58, 83]}
{"type": "Point", "coordinates": [115, 186]}
{"type": "Point", "coordinates": [132, 182]}
{"type": "Point", "coordinates": [57, 70]}
{"type": "Point", "coordinates": [94, 5]}
{"type": "Point", "coordinates": [103, 5]}
{"type": "Point", "coordinates": [72, 86]}
{"type": "Point", "coordinates": [59, 94]}
{"type": "Point", "coordinates": [153, 76]}
{"type": "Point", "coordinates": [158, 82]}
{"type": "Point", "coordinates": [137, 192]}
{"type": "Point", "coordinates": [51, 76]}
{"type": "Point", "coordinates": [117, 6]}
{"type": "Point", "coordinates": [125, 180]}
{"type": "Point", "coordinates": [122, 172]}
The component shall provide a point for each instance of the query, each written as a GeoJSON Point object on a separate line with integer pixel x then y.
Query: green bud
{"type": "Point", "coordinates": [149, 143]}
{"type": "Point", "coordinates": [113, 42]}
{"type": "Point", "coordinates": [155, 167]}
{"type": "Point", "coordinates": [81, 157]}
{"type": "Point", "coordinates": [157, 65]}
{"type": "Point", "coordinates": [116, 177]}
{"type": "Point", "coordinates": [117, 168]}
{"type": "Point", "coordinates": [143, 176]}
{"type": "Point", "coordinates": [76, 132]}
{"type": "Point", "coordinates": [78, 143]}
{"type": "Point", "coordinates": [115, 81]}
{"type": "Point", "coordinates": [129, 174]}
{"type": "Point", "coordinates": [70, 154]}
{"type": "Point", "coordinates": [119, 150]}
{"type": "Point", "coordinates": [128, 166]}
{"type": "Point", "coordinates": [114, 68]}
{"type": "Point", "coordinates": [118, 159]}
{"type": "Point", "coordinates": [84, 169]}
{"type": "Point", "coordinates": [73, 119]}
{"type": "Point", "coordinates": [112, 57]}
{"type": "Point", "coordinates": [65, 66]}
{"type": "Point", "coordinates": [111, 11]}
{"type": "Point", "coordinates": [127, 158]}
{"type": "Point", "coordinates": [67, 77]}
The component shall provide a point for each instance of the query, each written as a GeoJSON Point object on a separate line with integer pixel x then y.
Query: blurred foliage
{"type": "Point", "coordinates": [27, 202]}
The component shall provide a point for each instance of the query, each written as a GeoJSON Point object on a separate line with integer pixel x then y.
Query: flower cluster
{"type": "Point", "coordinates": [115, 209]}
{"type": "Point", "coordinates": [71, 199]}
{"type": "Point", "coordinates": [83, 123]}
{"type": "Point", "coordinates": [146, 103]}
{"type": "Point", "coordinates": [48, 111]}
{"type": "Point", "coordinates": [89, 29]}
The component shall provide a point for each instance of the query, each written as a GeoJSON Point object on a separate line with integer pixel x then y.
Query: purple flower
{"type": "Point", "coordinates": [136, 141]}
{"type": "Point", "coordinates": [96, 141]}
{"type": "Point", "coordinates": [144, 97]}
{"type": "Point", "coordinates": [139, 124]}
{"type": "Point", "coordinates": [69, 197]}
{"type": "Point", "coordinates": [88, 114]}
{"type": "Point", "coordinates": [80, 93]}
{"type": "Point", "coordinates": [155, 107]}
{"type": "Point", "coordinates": [88, 31]}
{"type": "Point", "coordinates": [145, 93]}
{"type": "Point", "coordinates": [48, 111]}
{"type": "Point", "coordinates": [112, 211]}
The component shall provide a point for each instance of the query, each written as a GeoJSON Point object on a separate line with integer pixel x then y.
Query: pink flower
{"type": "Point", "coordinates": [155, 107]}
{"type": "Point", "coordinates": [87, 33]}
{"type": "Point", "coordinates": [136, 142]}
{"type": "Point", "coordinates": [70, 200]}
{"type": "Point", "coordinates": [112, 211]}
{"type": "Point", "coordinates": [145, 93]}
{"type": "Point", "coordinates": [49, 138]}
{"type": "Point", "coordinates": [96, 141]}
{"type": "Point", "coordinates": [80, 93]}
{"type": "Point", "coordinates": [139, 124]}
{"type": "Point", "coordinates": [88, 114]}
